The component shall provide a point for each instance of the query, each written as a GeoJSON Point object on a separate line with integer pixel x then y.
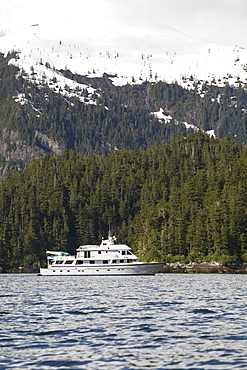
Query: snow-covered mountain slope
{"type": "Point", "coordinates": [92, 38]}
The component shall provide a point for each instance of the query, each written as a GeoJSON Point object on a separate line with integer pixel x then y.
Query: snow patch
{"type": "Point", "coordinates": [161, 116]}
{"type": "Point", "coordinates": [120, 43]}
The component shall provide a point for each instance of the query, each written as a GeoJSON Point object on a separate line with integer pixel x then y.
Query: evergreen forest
{"type": "Point", "coordinates": [76, 163]}
{"type": "Point", "coordinates": [180, 201]}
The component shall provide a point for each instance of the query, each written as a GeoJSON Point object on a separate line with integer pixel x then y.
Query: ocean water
{"type": "Point", "coordinates": [166, 321]}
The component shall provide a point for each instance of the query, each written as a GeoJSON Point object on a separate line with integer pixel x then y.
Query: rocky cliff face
{"type": "Point", "coordinates": [16, 154]}
{"type": "Point", "coordinates": [47, 143]}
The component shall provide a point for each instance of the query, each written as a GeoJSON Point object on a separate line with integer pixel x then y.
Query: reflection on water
{"type": "Point", "coordinates": [171, 321]}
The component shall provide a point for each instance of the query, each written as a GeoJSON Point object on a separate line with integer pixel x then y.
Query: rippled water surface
{"type": "Point", "coordinates": [166, 321]}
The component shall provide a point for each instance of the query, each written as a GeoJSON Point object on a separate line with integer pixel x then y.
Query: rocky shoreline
{"type": "Point", "coordinates": [19, 270]}
{"type": "Point", "coordinates": [204, 268]}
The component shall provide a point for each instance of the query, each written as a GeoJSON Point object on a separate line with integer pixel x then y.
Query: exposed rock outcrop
{"type": "Point", "coordinates": [204, 268]}
{"type": "Point", "coordinates": [16, 154]}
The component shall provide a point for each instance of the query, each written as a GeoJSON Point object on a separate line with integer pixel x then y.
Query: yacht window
{"type": "Point", "coordinates": [105, 262]}
{"type": "Point", "coordinates": [128, 252]}
{"type": "Point", "coordinates": [87, 254]}
{"type": "Point", "coordinates": [59, 262]}
{"type": "Point", "coordinates": [123, 253]}
{"type": "Point", "coordinates": [114, 261]}
{"type": "Point", "coordinates": [79, 262]}
{"type": "Point", "coordinates": [121, 261]}
{"type": "Point", "coordinates": [92, 262]}
{"type": "Point", "coordinates": [68, 262]}
{"type": "Point", "coordinates": [99, 252]}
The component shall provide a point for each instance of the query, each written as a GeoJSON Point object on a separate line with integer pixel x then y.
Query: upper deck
{"type": "Point", "coordinates": [106, 252]}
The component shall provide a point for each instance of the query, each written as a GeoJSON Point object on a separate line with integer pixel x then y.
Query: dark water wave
{"type": "Point", "coordinates": [157, 322]}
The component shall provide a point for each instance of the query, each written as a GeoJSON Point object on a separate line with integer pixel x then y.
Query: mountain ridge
{"type": "Point", "coordinates": [111, 80]}
{"type": "Point", "coordinates": [61, 110]}
{"type": "Point", "coordinates": [120, 42]}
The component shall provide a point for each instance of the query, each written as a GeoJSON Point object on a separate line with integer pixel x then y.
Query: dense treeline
{"type": "Point", "coordinates": [184, 200]}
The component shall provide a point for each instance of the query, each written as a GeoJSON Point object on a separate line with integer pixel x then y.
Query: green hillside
{"type": "Point", "coordinates": [36, 116]}
{"type": "Point", "coordinates": [180, 201]}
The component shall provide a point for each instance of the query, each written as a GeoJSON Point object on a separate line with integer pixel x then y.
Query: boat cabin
{"type": "Point", "coordinates": [106, 253]}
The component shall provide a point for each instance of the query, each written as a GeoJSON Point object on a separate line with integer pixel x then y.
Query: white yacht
{"type": "Point", "coordinates": [108, 258]}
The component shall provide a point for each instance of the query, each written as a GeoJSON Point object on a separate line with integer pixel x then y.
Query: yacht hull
{"type": "Point", "coordinates": [139, 268]}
